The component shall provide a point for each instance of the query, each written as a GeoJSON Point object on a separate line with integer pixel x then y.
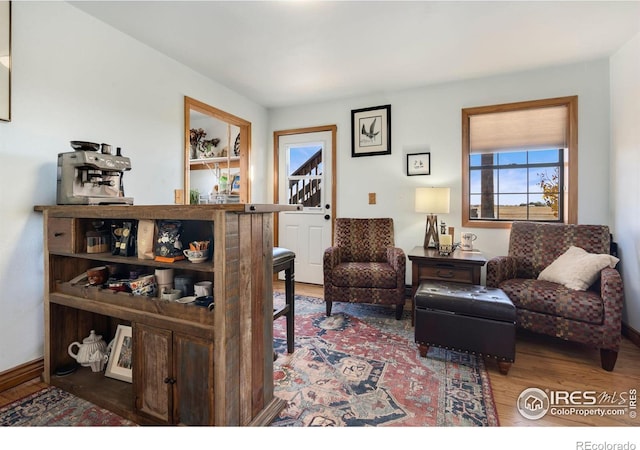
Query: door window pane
{"type": "Point", "coordinates": [304, 170]}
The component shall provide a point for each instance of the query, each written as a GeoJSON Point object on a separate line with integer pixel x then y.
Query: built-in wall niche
{"type": "Point", "coordinates": [216, 155]}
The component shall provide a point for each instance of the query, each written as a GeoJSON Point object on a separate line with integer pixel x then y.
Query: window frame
{"type": "Point", "coordinates": [570, 171]}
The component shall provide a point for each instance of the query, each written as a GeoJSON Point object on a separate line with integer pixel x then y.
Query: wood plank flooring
{"type": "Point", "coordinates": [541, 362]}
{"type": "Point", "coordinates": [551, 364]}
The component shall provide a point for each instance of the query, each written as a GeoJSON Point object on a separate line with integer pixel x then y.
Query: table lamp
{"type": "Point", "coordinates": [432, 201]}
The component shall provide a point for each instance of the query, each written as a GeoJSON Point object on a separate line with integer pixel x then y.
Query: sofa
{"type": "Point", "coordinates": [563, 282]}
{"type": "Point", "coordinates": [363, 265]}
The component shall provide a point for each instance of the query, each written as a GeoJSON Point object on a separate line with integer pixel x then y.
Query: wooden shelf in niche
{"type": "Point", "coordinates": [203, 165]}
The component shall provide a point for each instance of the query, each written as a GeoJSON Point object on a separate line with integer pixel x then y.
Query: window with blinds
{"type": "Point", "coordinates": [520, 162]}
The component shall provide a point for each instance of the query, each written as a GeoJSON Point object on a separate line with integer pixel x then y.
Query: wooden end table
{"type": "Point", "coordinates": [427, 264]}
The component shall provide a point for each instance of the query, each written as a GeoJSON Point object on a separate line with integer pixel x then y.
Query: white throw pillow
{"type": "Point", "coordinates": [577, 269]}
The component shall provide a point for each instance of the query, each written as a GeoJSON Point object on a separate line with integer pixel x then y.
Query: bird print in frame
{"type": "Point", "coordinates": [369, 135]}
{"type": "Point", "coordinates": [371, 131]}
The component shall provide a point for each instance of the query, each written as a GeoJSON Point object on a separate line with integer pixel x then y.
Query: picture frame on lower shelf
{"type": "Point", "coordinates": [120, 364]}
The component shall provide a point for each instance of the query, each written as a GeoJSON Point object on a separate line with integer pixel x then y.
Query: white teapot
{"type": "Point", "coordinates": [87, 350]}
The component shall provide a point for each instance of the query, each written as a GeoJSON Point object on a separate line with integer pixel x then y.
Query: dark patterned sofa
{"type": "Point", "coordinates": [591, 316]}
{"type": "Point", "coordinates": [363, 265]}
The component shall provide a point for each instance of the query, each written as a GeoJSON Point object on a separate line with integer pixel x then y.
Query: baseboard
{"type": "Point", "coordinates": [631, 334]}
{"type": "Point", "coordinates": [23, 373]}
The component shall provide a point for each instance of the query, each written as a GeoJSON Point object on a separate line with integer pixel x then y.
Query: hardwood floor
{"type": "Point", "coordinates": [20, 391]}
{"type": "Point", "coordinates": [551, 364]}
{"type": "Point", "coordinates": [541, 362]}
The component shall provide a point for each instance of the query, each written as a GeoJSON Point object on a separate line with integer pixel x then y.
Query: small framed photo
{"type": "Point", "coordinates": [120, 364]}
{"type": "Point", "coordinates": [419, 164]}
{"type": "Point", "coordinates": [371, 131]}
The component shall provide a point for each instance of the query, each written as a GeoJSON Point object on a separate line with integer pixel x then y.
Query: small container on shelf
{"type": "Point", "coordinates": [97, 242]}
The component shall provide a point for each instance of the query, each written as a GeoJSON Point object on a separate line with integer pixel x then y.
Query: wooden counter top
{"type": "Point", "coordinates": [183, 212]}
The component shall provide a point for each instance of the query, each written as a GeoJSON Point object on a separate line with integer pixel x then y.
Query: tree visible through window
{"type": "Point", "coordinates": [520, 162]}
{"type": "Point", "coordinates": [516, 185]}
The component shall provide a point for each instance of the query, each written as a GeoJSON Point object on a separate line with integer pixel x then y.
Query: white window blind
{"type": "Point", "coordinates": [528, 129]}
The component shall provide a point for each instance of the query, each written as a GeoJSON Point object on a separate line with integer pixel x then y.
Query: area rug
{"type": "Point", "coordinates": [361, 367]}
{"type": "Point", "coordinates": [54, 407]}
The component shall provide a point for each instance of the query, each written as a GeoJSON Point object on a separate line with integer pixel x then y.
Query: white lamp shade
{"type": "Point", "coordinates": [432, 200]}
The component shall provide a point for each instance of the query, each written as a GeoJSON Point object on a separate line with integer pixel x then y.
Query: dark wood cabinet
{"type": "Point", "coordinates": [191, 365]}
{"type": "Point", "coordinates": [153, 372]}
{"type": "Point", "coordinates": [173, 376]}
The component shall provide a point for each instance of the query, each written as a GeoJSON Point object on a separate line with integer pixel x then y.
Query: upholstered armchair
{"type": "Point", "coordinates": [543, 260]}
{"type": "Point", "coordinates": [363, 265]}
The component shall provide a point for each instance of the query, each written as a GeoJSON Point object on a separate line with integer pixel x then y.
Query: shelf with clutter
{"type": "Point", "coordinates": [178, 370]}
{"type": "Point", "coordinates": [217, 159]}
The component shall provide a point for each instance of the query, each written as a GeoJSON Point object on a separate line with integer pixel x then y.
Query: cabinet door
{"type": "Point", "coordinates": [193, 390]}
{"type": "Point", "coordinates": [152, 372]}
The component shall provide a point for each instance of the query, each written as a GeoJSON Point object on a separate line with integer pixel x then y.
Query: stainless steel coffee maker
{"type": "Point", "coordinates": [89, 177]}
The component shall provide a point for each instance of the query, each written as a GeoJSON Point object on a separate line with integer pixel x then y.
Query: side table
{"type": "Point", "coordinates": [427, 264]}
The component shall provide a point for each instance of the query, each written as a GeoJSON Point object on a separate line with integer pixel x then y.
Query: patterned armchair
{"type": "Point", "coordinates": [590, 317]}
{"type": "Point", "coordinates": [364, 265]}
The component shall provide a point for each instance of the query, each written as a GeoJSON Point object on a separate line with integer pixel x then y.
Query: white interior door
{"type": "Point", "coordinates": [305, 164]}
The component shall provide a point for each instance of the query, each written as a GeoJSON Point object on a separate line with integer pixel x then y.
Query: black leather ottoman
{"type": "Point", "coordinates": [466, 317]}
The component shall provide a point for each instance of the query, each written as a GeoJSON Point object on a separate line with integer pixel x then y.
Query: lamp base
{"type": "Point", "coordinates": [431, 232]}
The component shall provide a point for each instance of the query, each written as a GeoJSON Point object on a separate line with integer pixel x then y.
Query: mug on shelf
{"type": "Point", "coordinates": [164, 276]}
{"type": "Point", "coordinates": [185, 284]}
{"type": "Point", "coordinates": [203, 288]}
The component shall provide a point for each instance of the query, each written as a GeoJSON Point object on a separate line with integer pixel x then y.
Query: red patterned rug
{"type": "Point", "coordinates": [361, 367]}
{"type": "Point", "coordinates": [54, 407]}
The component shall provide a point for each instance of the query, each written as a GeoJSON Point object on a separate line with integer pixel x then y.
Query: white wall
{"type": "Point", "coordinates": [75, 78]}
{"type": "Point", "coordinates": [625, 167]}
{"type": "Point", "coordinates": [429, 119]}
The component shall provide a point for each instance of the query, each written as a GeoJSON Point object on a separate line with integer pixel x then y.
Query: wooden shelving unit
{"type": "Point", "coordinates": [191, 366]}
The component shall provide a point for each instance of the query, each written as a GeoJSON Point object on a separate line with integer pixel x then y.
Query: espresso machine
{"type": "Point", "coordinates": [89, 177]}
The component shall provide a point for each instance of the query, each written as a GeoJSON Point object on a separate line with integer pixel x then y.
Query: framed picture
{"type": "Point", "coordinates": [371, 131]}
{"type": "Point", "coordinates": [419, 164]}
{"type": "Point", "coordinates": [5, 61]}
{"type": "Point", "coordinates": [120, 364]}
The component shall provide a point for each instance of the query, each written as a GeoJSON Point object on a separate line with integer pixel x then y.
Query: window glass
{"type": "Point", "coordinates": [304, 170]}
{"type": "Point", "coordinates": [523, 186]}
{"type": "Point", "coordinates": [518, 164]}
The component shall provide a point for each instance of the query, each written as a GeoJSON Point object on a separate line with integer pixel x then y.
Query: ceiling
{"type": "Point", "coordinates": [283, 53]}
